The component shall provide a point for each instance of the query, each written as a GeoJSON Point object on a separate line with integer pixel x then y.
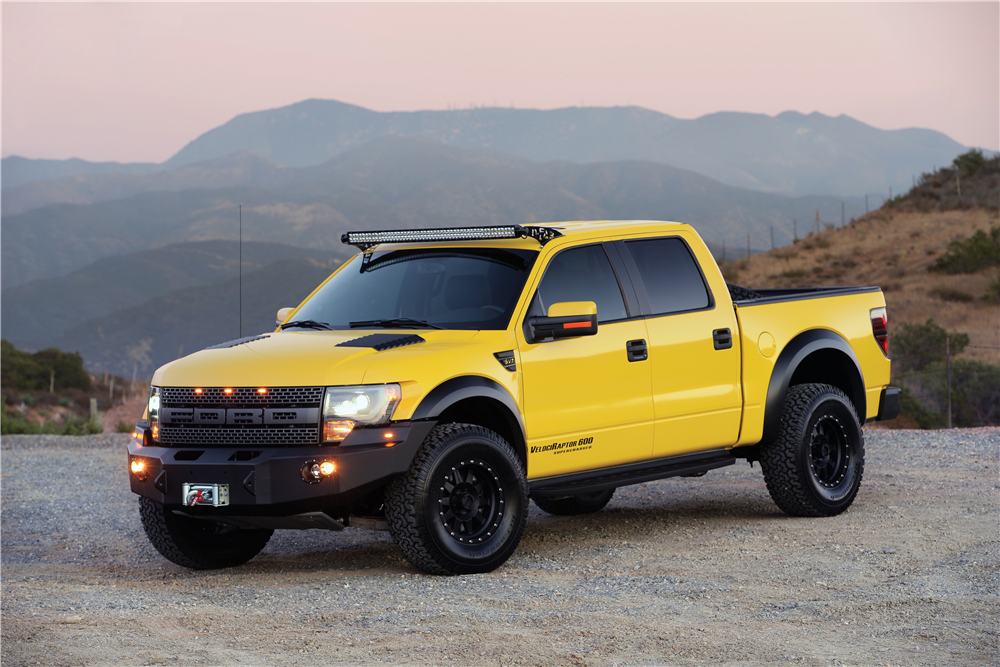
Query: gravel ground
{"type": "Point", "coordinates": [676, 572]}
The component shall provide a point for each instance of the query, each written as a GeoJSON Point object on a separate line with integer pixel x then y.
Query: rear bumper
{"type": "Point", "coordinates": [269, 481]}
{"type": "Point", "coordinates": [888, 404]}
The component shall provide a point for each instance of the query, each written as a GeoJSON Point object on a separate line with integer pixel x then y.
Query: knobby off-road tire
{"type": "Point", "coordinates": [462, 506]}
{"type": "Point", "coordinates": [198, 544]}
{"type": "Point", "coordinates": [814, 467]}
{"type": "Point", "coordinates": [585, 503]}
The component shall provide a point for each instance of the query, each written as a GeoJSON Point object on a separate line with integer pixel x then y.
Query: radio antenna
{"type": "Point", "coordinates": [241, 270]}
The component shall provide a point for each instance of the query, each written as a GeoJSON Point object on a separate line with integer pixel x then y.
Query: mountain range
{"type": "Point", "coordinates": [791, 153]}
{"type": "Point", "coordinates": [40, 311]}
{"type": "Point", "coordinates": [133, 263]}
{"type": "Point", "coordinates": [391, 182]}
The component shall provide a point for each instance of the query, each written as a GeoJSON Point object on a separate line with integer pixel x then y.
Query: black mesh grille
{"type": "Point", "coordinates": [220, 437]}
{"type": "Point", "coordinates": [241, 396]}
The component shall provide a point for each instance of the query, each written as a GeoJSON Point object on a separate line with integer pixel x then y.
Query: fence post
{"type": "Point", "coordinates": [52, 382]}
{"type": "Point", "coordinates": [93, 409]}
{"type": "Point", "coordinates": [947, 357]}
{"type": "Point", "coordinates": [772, 237]}
{"type": "Point", "coordinates": [866, 204]}
{"type": "Point", "coordinates": [748, 245]}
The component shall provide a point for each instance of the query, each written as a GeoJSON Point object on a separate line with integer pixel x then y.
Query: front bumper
{"type": "Point", "coordinates": [268, 482]}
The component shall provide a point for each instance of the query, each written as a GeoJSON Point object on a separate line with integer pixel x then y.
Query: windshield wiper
{"type": "Point", "coordinates": [395, 323]}
{"type": "Point", "coordinates": [306, 324]}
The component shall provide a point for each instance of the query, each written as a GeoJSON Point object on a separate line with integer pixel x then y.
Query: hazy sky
{"type": "Point", "coordinates": [135, 82]}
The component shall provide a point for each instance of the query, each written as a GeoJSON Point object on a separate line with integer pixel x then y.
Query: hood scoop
{"type": "Point", "coordinates": [238, 341]}
{"type": "Point", "coordinates": [382, 342]}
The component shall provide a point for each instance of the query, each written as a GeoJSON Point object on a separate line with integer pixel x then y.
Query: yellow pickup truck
{"type": "Point", "coordinates": [441, 379]}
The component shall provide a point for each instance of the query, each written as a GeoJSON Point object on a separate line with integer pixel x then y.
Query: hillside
{"type": "Point", "coordinates": [39, 311]}
{"type": "Point", "coordinates": [150, 334]}
{"type": "Point", "coordinates": [791, 153]}
{"type": "Point", "coordinates": [396, 182]}
{"type": "Point", "coordinates": [896, 248]}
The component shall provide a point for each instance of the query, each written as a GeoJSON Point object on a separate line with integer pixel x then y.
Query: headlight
{"type": "Point", "coordinates": [153, 412]}
{"type": "Point", "coordinates": [345, 407]}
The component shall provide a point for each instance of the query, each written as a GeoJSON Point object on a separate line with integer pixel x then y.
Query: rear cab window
{"type": "Point", "coordinates": [672, 278]}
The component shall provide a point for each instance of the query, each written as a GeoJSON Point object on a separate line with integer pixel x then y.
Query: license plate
{"type": "Point", "coordinates": [216, 495]}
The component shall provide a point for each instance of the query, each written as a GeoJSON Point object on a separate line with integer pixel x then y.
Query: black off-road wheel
{"type": "Point", "coordinates": [585, 503]}
{"type": "Point", "coordinates": [814, 467]}
{"type": "Point", "coordinates": [462, 506]}
{"type": "Point", "coordinates": [199, 544]}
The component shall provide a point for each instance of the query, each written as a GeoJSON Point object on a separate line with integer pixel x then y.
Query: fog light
{"type": "Point", "coordinates": [314, 471]}
{"type": "Point", "coordinates": [138, 467]}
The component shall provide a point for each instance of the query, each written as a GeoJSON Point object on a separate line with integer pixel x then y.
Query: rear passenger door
{"type": "Point", "coordinates": [695, 359]}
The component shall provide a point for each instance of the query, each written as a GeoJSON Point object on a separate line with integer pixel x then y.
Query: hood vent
{"type": "Point", "coordinates": [382, 342]}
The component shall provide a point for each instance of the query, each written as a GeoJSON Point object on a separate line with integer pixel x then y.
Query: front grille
{"type": "Point", "coordinates": [211, 417]}
{"type": "Point", "coordinates": [281, 436]}
{"type": "Point", "coordinates": [241, 396]}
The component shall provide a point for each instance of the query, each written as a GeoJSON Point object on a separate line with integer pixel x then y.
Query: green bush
{"type": "Point", "coordinates": [20, 370]}
{"type": "Point", "coordinates": [969, 162]}
{"type": "Point", "coordinates": [74, 425]}
{"type": "Point", "coordinates": [979, 251]}
{"type": "Point", "coordinates": [915, 346]}
{"type": "Point", "coordinates": [975, 392]}
{"type": "Point", "coordinates": [124, 427]}
{"type": "Point", "coordinates": [992, 294]}
{"type": "Point", "coordinates": [910, 407]}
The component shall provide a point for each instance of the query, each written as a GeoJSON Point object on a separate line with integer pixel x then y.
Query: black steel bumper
{"type": "Point", "coordinates": [268, 482]}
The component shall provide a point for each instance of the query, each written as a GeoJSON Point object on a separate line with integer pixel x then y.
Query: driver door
{"type": "Point", "coordinates": [587, 400]}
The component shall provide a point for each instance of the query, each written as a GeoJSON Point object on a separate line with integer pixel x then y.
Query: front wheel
{"type": "Point", "coordinates": [196, 543]}
{"type": "Point", "coordinates": [814, 467]}
{"type": "Point", "coordinates": [462, 506]}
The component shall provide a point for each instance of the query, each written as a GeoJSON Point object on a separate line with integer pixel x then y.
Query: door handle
{"type": "Point", "coordinates": [723, 339]}
{"type": "Point", "coordinates": [636, 350]}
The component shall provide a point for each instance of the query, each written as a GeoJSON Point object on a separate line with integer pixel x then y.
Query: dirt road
{"type": "Point", "coordinates": [676, 572]}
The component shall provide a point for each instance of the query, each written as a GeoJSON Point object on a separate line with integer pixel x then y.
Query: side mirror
{"type": "Point", "coordinates": [283, 315]}
{"type": "Point", "coordinates": [567, 319]}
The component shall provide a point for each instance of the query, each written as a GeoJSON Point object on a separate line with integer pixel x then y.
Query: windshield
{"type": "Point", "coordinates": [451, 288]}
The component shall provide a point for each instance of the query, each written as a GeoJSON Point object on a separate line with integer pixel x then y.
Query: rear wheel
{"type": "Point", "coordinates": [196, 543]}
{"type": "Point", "coordinates": [585, 503]}
{"type": "Point", "coordinates": [462, 507]}
{"type": "Point", "coordinates": [814, 467]}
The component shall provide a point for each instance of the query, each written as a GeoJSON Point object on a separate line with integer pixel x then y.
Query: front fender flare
{"type": "Point", "coordinates": [452, 391]}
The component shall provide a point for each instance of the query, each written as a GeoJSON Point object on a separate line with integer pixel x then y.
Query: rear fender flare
{"type": "Point", "coordinates": [795, 353]}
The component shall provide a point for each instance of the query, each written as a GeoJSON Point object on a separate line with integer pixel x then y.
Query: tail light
{"type": "Point", "coordinates": [880, 329]}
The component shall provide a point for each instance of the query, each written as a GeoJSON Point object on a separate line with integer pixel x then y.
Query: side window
{"type": "Point", "coordinates": [669, 273]}
{"type": "Point", "coordinates": [582, 274]}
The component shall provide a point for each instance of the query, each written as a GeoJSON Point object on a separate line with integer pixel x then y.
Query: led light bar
{"type": "Point", "coordinates": [366, 240]}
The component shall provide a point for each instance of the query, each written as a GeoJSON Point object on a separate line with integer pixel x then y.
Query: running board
{"type": "Point", "coordinates": [635, 473]}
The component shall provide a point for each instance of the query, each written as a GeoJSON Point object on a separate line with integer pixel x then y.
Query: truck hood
{"type": "Point", "coordinates": [305, 358]}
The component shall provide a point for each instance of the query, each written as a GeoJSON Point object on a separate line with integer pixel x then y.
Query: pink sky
{"type": "Point", "coordinates": [135, 82]}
